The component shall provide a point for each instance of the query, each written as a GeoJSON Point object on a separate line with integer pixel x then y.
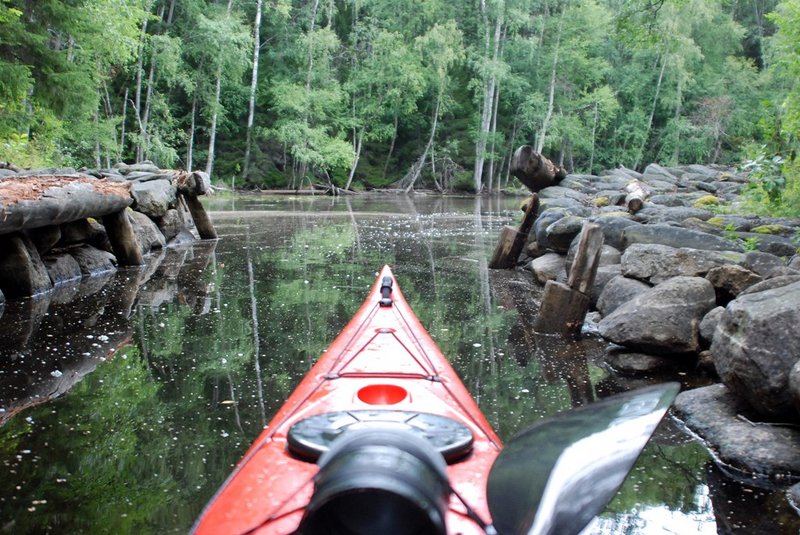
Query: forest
{"type": "Point", "coordinates": [366, 94]}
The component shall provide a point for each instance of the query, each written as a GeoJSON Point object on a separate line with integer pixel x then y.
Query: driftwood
{"type": "Point", "coordinates": [512, 240]}
{"type": "Point", "coordinates": [564, 306]}
{"type": "Point", "coordinates": [638, 192]}
{"type": "Point", "coordinates": [38, 201]}
{"type": "Point", "coordinates": [534, 170]}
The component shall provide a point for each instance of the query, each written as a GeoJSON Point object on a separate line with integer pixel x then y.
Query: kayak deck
{"type": "Point", "coordinates": [384, 364]}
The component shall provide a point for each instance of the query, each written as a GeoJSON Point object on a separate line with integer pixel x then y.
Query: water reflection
{"type": "Point", "coordinates": [199, 349]}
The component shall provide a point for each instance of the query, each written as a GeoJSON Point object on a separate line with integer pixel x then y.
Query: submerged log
{"type": "Point", "coordinates": [36, 201]}
{"type": "Point", "coordinates": [534, 170]}
{"type": "Point", "coordinates": [511, 241]}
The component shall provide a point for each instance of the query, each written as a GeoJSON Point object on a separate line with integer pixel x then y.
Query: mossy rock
{"type": "Point", "coordinates": [600, 202]}
{"type": "Point", "coordinates": [705, 201]}
{"type": "Point", "coordinates": [771, 229]}
{"type": "Point", "coordinates": [716, 221]}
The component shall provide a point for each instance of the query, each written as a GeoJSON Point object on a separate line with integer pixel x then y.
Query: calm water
{"type": "Point", "coordinates": [126, 400]}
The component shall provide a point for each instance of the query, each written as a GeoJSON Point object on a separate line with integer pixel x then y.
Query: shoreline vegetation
{"type": "Point", "coordinates": [378, 95]}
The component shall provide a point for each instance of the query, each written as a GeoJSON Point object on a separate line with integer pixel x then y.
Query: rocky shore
{"type": "Point", "coordinates": [686, 279]}
{"type": "Point", "coordinates": [61, 225]}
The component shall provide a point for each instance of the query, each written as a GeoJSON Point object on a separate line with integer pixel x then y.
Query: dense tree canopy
{"type": "Point", "coordinates": [373, 93]}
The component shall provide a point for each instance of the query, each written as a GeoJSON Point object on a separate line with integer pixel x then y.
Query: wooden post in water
{"type": "Point", "coordinates": [123, 238]}
{"type": "Point", "coordinates": [564, 306]}
{"type": "Point", "coordinates": [205, 228]}
{"type": "Point", "coordinates": [512, 240]}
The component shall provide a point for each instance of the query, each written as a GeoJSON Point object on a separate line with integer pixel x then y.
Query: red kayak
{"type": "Point", "coordinates": [382, 374]}
{"type": "Point", "coordinates": [381, 437]}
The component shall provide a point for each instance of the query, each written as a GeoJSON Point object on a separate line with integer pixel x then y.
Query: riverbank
{"type": "Point", "coordinates": [687, 281]}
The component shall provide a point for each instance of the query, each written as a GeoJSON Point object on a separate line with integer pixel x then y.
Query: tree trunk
{"type": "Point", "coordinates": [417, 167]}
{"type": "Point", "coordinates": [488, 97]}
{"type": "Point", "coordinates": [355, 160]}
{"type": "Point", "coordinates": [594, 134]}
{"type": "Point", "coordinates": [546, 122]}
{"type": "Point", "coordinates": [493, 133]}
{"type": "Point", "coordinates": [652, 113]}
{"type": "Point", "coordinates": [212, 136]}
{"type": "Point", "coordinates": [212, 141]}
{"type": "Point", "coordinates": [122, 126]}
{"type": "Point", "coordinates": [190, 141]}
{"type": "Point", "coordinates": [140, 72]}
{"type": "Point", "coordinates": [391, 147]}
{"type": "Point", "coordinates": [253, 86]}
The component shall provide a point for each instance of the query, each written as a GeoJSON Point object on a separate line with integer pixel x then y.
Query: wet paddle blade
{"type": "Point", "coordinates": [554, 477]}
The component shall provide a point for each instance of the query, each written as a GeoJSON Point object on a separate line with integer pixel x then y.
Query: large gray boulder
{"type": "Point", "coordinates": [765, 264]}
{"type": "Point", "coordinates": [794, 385]}
{"type": "Point", "coordinates": [22, 272]}
{"type": "Point", "coordinates": [619, 291]}
{"type": "Point", "coordinates": [713, 412]}
{"type": "Point", "coordinates": [656, 263]}
{"type": "Point", "coordinates": [756, 344]}
{"type": "Point", "coordinates": [93, 261]}
{"type": "Point", "coordinates": [147, 232]}
{"type": "Point", "coordinates": [559, 235]}
{"type": "Point", "coordinates": [677, 237]}
{"type": "Point", "coordinates": [548, 267]}
{"type": "Point", "coordinates": [730, 280]}
{"type": "Point", "coordinates": [62, 268]}
{"type": "Point", "coordinates": [602, 277]}
{"type": "Point", "coordinates": [613, 226]}
{"type": "Point", "coordinates": [662, 320]}
{"type": "Point", "coordinates": [153, 198]}
{"type": "Point", "coordinates": [708, 326]}
{"type": "Point", "coordinates": [543, 221]}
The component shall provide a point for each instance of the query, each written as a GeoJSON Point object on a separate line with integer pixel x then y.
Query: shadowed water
{"type": "Point", "coordinates": [126, 400]}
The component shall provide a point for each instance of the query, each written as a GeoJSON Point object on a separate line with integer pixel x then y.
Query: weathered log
{"type": "Point", "coordinates": [205, 228]}
{"type": "Point", "coordinates": [534, 170]}
{"type": "Point", "coordinates": [123, 239]}
{"type": "Point", "coordinates": [587, 258]}
{"type": "Point", "coordinates": [511, 241]}
{"type": "Point", "coordinates": [37, 201]}
{"type": "Point", "coordinates": [564, 306]}
{"type": "Point", "coordinates": [638, 192]}
{"type": "Point", "coordinates": [562, 311]}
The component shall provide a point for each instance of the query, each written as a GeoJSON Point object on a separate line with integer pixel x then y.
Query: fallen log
{"type": "Point", "coordinates": [37, 201]}
{"type": "Point", "coordinates": [534, 170]}
{"type": "Point", "coordinates": [638, 192]}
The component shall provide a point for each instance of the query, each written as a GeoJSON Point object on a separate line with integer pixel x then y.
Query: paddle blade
{"type": "Point", "coordinates": [554, 477]}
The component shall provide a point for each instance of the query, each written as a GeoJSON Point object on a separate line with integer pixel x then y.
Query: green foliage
{"type": "Point", "coordinates": [766, 182]}
{"type": "Point", "coordinates": [676, 81]}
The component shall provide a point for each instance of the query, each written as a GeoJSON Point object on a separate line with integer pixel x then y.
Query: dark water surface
{"type": "Point", "coordinates": [126, 400]}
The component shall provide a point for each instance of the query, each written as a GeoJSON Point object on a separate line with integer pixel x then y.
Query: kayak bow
{"type": "Point", "coordinates": [382, 374]}
{"type": "Point", "coordinates": [381, 436]}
